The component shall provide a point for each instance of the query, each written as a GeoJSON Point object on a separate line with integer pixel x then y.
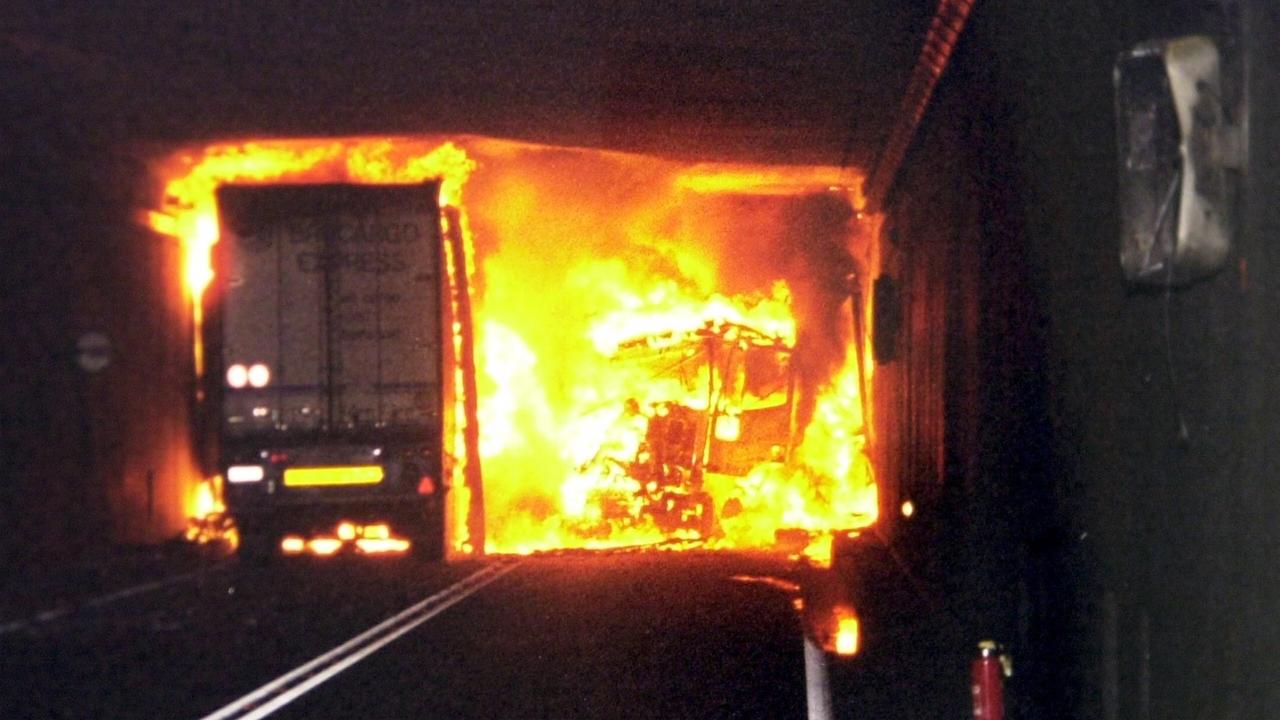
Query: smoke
{"type": "Point", "coordinates": [802, 239]}
{"type": "Point", "coordinates": [814, 239]}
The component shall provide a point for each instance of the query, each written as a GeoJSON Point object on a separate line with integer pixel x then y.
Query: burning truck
{"type": "Point", "coordinates": [724, 406]}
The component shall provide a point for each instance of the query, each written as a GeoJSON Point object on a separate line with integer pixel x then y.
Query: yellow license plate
{"type": "Point", "coordinates": [319, 476]}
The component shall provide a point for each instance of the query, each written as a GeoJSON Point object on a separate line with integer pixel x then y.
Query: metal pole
{"type": "Point", "coordinates": [817, 681]}
{"type": "Point", "coordinates": [1144, 667]}
{"type": "Point", "coordinates": [1110, 657]}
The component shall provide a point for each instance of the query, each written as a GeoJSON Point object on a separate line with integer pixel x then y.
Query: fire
{"type": "Point", "coordinates": [207, 521]}
{"type": "Point", "coordinates": [663, 350]}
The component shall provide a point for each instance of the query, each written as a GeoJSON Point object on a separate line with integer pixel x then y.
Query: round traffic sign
{"type": "Point", "coordinates": [93, 352]}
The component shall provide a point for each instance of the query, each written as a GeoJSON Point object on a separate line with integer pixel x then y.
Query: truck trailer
{"type": "Point", "coordinates": [324, 351]}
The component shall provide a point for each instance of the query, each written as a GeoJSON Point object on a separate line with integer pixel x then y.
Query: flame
{"type": "Point", "coordinates": [207, 514]}
{"type": "Point", "coordinates": [206, 500]}
{"type": "Point", "coordinates": [613, 293]}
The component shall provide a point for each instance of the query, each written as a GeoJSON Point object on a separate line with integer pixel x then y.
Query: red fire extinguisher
{"type": "Point", "coordinates": [990, 668]}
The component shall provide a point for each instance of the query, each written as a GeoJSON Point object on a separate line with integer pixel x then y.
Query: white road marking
{"type": "Point", "coordinates": [297, 682]}
{"type": "Point", "coordinates": [146, 587]}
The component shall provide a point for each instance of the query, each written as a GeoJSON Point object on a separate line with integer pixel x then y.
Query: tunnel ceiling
{"type": "Point", "coordinates": [782, 82]}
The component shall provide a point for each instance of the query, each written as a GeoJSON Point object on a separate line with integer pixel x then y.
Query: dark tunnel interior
{"type": "Point", "coordinates": [1091, 463]}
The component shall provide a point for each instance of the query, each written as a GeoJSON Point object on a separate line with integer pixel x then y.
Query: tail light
{"type": "Point", "coordinates": [258, 375]}
{"type": "Point", "coordinates": [237, 376]}
{"type": "Point", "coordinates": [427, 485]}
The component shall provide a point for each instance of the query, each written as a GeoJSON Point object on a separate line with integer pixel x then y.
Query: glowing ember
{"type": "Point", "coordinates": [664, 351]}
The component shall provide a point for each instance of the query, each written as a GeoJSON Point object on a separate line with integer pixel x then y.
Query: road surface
{"type": "Point", "coordinates": [653, 634]}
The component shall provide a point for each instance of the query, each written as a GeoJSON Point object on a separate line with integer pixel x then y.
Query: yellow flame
{"type": "Point", "coordinates": [190, 211]}
{"type": "Point", "coordinates": [206, 501]}
{"type": "Point", "coordinates": [206, 512]}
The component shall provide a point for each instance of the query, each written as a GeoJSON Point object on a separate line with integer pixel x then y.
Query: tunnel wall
{"type": "Point", "coordinates": [89, 459]}
{"type": "Point", "coordinates": [1110, 452]}
{"type": "Point", "coordinates": [965, 391]}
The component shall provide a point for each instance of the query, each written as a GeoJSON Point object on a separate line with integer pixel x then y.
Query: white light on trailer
{"type": "Point", "coordinates": [259, 375]}
{"type": "Point", "coordinates": [237, 376]}
{"type": "Point", "coordinates": [244, 473]}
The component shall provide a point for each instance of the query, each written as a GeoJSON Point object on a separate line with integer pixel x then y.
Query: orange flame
{"type": "Point", "coordinates": [581, 261]}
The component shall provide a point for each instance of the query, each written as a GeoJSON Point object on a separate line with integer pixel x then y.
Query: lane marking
{"type": "Point", "coordinates": [297, 682]}
{"type": "Point", "coordinates": [111, 597]}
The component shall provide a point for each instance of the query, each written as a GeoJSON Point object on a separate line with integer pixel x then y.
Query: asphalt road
{"type": "Point", "coordinates": [607, 635]}
{"type": "Point", "coordinates": [654, 634]}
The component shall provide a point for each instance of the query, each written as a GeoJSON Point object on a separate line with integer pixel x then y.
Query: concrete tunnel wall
{"type": "Point", "coordinates": [1125, 559]}
{"type": "Point", "coordinates": [960, 403]}
{"type": "Point", "coordinates": [88, 458]}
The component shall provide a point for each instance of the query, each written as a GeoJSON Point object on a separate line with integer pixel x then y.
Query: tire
{"type": "Point", "coordinates": [427, 538]}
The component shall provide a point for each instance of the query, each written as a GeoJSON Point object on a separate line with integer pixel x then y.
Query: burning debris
{"type": "Point", "coordinates": [208, 521]}
{"type": "Point", "coordinates": [663, 350]}
{"type": "Point", "coordinates": [653, 466]}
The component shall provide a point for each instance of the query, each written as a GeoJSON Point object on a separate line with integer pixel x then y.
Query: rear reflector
{"type": "Point", "coordinates": [314, 476]}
